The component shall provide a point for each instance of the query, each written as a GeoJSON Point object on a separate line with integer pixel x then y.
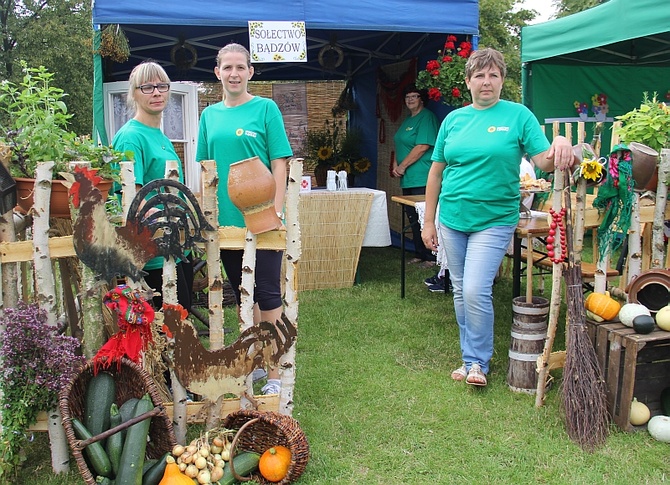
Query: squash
{"type": "Point", "coordinates": [631, 310]}
{"type": "Point", "coordinates": [274, 463]}
{"type": "Point", "coordinates": [602, 305]}
{"type": "Point", "coordinates": [659, 428]}
{"type": "Point", "coordinates": [639, 413]}
{"type": "Point", "coordinates": [663, 318]}
{"type": "Point", "coordinates": [173, 476]}
{"type": "Point", "coordinates": [644, 324]}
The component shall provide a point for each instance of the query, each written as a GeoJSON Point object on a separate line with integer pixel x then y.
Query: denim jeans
{"type": "Point", "coordinates": [473, 262]}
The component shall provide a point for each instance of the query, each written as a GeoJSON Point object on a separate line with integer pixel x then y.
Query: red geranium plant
{"type": "Point", "coordinates": [444, 77]}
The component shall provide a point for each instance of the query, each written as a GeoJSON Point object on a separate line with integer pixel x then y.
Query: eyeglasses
{"type": "Point", "coordinates": [149, 88]}
{"type": "Point", "coordinates": [412, 96]}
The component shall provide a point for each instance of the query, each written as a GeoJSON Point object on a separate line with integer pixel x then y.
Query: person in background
{"type": "Point", "coordinates": [242, 126]}
{"type": "Point", "coordinates": [414, 142]}
{"type": "Point", "coordinates": [475, 178]}
{"type": "Point", "coordinates": [148, 95]}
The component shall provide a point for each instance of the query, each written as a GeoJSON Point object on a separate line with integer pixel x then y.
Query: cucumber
{"type": "Point", "coordinates": [114, 445]}
{"type": "Point", "coordinates": [245, 463]}
{"type": "Point", "coordinates": [155, 473]}
{"type": "Point", "coordinates": [94, 452]}
{"type": "Point", "coordinates": [99, 397]}
{"type": "Point", "coordinates": [134, 446]}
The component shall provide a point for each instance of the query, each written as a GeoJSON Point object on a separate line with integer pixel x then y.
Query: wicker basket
{"type": "Point", "coordinates": [267, 430]}
{"type": "Point", "coordinates": [131, 382]}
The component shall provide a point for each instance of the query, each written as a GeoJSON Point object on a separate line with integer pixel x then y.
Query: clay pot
{"type": "Point", "coordinates": [251, 187]}
{"type": "Point", "coordinates": [644, 164]}
{"type": "Point", "coordinates": [651, 288]}
{"type": "Point", "coordinates": [59, 205]}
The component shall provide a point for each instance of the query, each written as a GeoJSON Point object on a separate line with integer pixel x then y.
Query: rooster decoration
{"type": "Point", "coordinates": [212, 373]}
{"type": "Point", "coordinates": [164, 219]}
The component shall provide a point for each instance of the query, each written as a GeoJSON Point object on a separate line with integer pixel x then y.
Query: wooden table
{"type": "Point", "coordinates": [409, 201]}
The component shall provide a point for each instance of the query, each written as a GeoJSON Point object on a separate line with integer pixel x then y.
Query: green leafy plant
{"type": "Point", "coordinates": [649, 124]}
{"type": "Point", "coordinates": [36, 363]}
{"type": "Point", "coordinates": [444, 77]}
{"type": "Point", "coordinates": [34, 127]}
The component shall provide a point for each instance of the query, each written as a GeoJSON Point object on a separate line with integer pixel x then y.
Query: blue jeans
{"type": "Point", "coordinates": [473, 261]}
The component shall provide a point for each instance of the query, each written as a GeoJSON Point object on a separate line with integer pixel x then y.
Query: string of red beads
{"type": "Point", "coordinates": [556, 222]}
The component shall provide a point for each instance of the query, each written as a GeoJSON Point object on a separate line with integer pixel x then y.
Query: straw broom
{"type": "Point", "coordinates": [583, 390]}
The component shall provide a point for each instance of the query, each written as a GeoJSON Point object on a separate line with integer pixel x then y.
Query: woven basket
{"type": "Point", "coordinates": [131, 382]}
{"type": "Point", "coordinates": [270, 429]}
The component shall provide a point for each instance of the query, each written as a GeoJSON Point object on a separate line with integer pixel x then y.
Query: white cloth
{"type": "Point", "coordinates": [441, 255]}
{"type": "Point", "coordinates": [378, 230]}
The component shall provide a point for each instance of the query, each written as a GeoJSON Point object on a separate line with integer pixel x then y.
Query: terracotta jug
{"type": "Point", "coordinates": [644, 164]}
{"type": "Point", "coordinates": [251, 188]}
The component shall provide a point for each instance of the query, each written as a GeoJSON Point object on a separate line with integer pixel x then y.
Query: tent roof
{"type": "Point", "coordinates": [387, 30]}
{"type": "Point", "coordinates": [613, 33]}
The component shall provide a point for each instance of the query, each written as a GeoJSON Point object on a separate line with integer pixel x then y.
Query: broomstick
{"type": "Point", "coordinates": [583, 390]}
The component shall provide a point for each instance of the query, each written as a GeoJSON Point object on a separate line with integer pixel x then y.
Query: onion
{"type": "Point", "coordinates": [178, 450]}
{"type": "Point", "coordinates": [191, 471]}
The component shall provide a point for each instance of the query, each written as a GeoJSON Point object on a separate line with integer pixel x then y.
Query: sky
{"type": "Point", "coordinates": [544, 7]}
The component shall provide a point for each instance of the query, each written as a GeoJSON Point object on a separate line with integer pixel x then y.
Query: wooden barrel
{"type": "Point", "coordinates": [529, 330]}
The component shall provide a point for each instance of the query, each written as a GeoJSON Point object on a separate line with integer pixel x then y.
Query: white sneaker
{"type": "Point", "coordinates": [272, 387]}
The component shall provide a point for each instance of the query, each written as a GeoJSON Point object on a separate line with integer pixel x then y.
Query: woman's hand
{"type": "Point", "coordinates": [429, 236]}
{"type": "Point", "coordinates": [562, 153]}
{"type": "Point", "coordinates": [398, 170]}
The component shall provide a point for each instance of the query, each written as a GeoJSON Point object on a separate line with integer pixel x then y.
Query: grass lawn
{"type": "Point", "coordinates": [374, 397]}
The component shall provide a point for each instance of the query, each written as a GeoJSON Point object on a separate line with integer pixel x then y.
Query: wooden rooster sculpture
{"type": "Point", "coordinates": [159, 223]}
{"type": "Point", "coordinates": [213, 373]}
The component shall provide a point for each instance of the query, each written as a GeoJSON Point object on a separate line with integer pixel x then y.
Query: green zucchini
{"type": "Point", "coordinates": [114, 445]}
{"type": "Point", "coordinates": [134, 446]}
{"type": "Point", "coordinates": [245, 463]}
{"type": "Point", "coordinates": [155, 473]}
{"type": "Point", "coordinates": [94, 452]}
{"type": "Point", "coordinates": [127, 410]}
{"type": "Point", "coordinates": [99, 397]}
{"type": "Point", "coordinates": [665, 401]}
{"type": "Point", "coordinates": [104, 481]}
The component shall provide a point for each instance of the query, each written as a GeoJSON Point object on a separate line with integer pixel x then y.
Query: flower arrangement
{"type": "Point", "coordinates": [36, 364]}
{"type": "Point", "coordinates": [444, 77]}
{"type": "Point", "coordinates": [591, 168]}
{"type": "Point", "coordinates": [599, 106]}
{"type": "Point", "coordinates": [329, 149]}
{"type": "Point", "coordinates": [582, 109]}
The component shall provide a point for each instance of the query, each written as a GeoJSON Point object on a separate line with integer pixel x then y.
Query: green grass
{"type": "Point", "coordinates": [374, 398]}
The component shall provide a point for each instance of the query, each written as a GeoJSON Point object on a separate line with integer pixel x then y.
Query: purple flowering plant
{"type": "Point", "coordinates": [37, 363]}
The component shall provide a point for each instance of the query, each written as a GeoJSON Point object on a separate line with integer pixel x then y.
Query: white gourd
{"type": "Point", "coordinates": [631, 310]}
{"type": "Point", "coordinates": [659, 428]}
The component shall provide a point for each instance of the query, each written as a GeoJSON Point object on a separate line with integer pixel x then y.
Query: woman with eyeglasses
{"type": "Point", "coordinates": [414, 142]}
{"type": "Point", "coordinates": [148, 95]}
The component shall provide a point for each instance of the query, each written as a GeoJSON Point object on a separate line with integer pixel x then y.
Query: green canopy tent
{"type": "Point", "coordinates": [619, 48]}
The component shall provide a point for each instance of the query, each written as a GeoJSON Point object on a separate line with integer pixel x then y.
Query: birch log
{"type": "Point", "coordinates": [291, 260]}
{"type": "Point", "coordinates": [634, 241]}
{"type": "Point", "coordinates": [169, 291]}
{"type": "Point", "coordinates": [555, 299]}
{"type": "Point", "coordinates": [44, 278]}
{"type": "Point", "coordinates": [658, 245]}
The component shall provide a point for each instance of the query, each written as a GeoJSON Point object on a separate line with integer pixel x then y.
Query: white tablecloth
{"type": "Point", "coordinates": [378, 231]}
{"type": "Point", "coordinates": [441, 257]}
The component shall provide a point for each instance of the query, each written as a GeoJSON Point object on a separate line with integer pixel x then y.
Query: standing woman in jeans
{"type": "Point", "coordinates": [475, 176]}
{"type": "Point", "coordinates": [242, 126]}
{"type": "Point", "coordinates": [414, 142]}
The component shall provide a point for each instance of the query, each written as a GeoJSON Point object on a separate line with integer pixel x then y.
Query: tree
{"type": "Point", "coordinates": [57, 35]}
{"type": "Point", "coordinates": [568, 7]}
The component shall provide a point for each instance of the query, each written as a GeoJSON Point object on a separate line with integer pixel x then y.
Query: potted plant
{"type": "Point", "coordinates": [649, 125]}
{"type": "Point", "coordinates": [34, 128]}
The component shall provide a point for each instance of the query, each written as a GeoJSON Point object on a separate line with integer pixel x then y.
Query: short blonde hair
{"type": "Point", "coordinates": [483, 58]}
{"type": "Point", "coordinates": [141, 74]}
{"type": "Point", "coordinates": [233, 47]}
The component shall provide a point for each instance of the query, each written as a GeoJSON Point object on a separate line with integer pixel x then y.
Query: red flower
{"type": "Point", "coordinates": [447, 59]}
{"type": "Point", "coordinates": [434, 94]}
{"type": "Point", "coordinates": [463, 54]}
{"type": "Point", "coordinates": [435, 73]}
{"type": "Point", "coordinates": [432, 65]}
{"type": "Point", "coordinates": [449, 45]}
{"type": "Point", "coordinates": [456, 93]}
{"type": "Point", "coordinates": [451, 38]}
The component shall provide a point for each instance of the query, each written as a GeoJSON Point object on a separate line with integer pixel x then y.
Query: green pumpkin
{"type": "Point", "coordinates": [644, 324]}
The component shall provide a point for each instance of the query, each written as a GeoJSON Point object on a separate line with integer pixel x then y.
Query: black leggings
{"type": "Point", "coordinates": [154, 279]}
{"type": "Point", "coordinates": [267, 291]}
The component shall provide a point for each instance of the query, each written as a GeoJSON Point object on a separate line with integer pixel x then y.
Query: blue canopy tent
{"type": "Point", "coordinates": [619, 48]}
{"type": "Point", "coordinates": [368, 34]}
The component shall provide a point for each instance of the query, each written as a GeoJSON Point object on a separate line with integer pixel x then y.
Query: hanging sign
{"type": "Point", "coordinates": [277, 41]}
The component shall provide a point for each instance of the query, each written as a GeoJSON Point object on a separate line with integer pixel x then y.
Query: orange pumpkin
{"type": "Point", "coordinates": [173, 476]}
{"type": "Point", "coordinates": [602, 305]}
{"type": "Point", "coordinates": [274, 463]}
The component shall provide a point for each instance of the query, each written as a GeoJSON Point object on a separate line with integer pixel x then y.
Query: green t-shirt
{"type": "Point", "coordinates": [482, 150]}
{"type": "Point", "coordinates": [416, 130]}
{"type": "Point", "coordinates": [229, 135]}
{"type": "Point", "coordinates": [151, 150]}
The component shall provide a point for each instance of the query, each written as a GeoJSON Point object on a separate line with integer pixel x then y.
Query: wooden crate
{"type": "Point", "coordinates": [634, 365]}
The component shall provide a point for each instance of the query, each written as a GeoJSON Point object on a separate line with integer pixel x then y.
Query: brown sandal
{"type": "Point", "coordinates": [476, 377]}
{"type": "Point", "coordinates": [459, 374]}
